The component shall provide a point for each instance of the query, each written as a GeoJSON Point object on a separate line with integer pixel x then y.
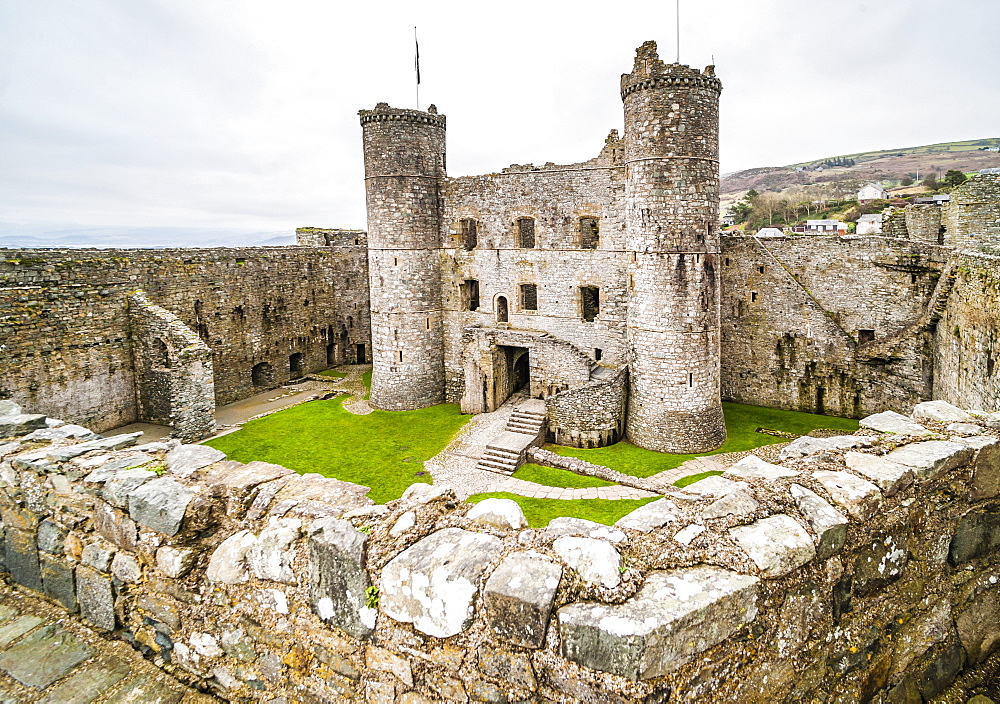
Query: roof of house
{"type": "Point", "coordinates": [817, 223]}
{"type": "Point", "coordinates": [873, 217]}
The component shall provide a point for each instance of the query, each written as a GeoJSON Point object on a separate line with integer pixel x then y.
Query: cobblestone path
{"type": "Point", "coordinates": [47, 657]}
{"type": "Point", "coordinates": [352, 384]}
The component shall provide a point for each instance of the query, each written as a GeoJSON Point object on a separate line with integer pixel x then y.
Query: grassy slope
{"type": "Point", "coordinates": [333, 373]}
{"type": "Point", "coordinates": [741, 423]}
{"type": "Point", "coordinates": [382, 450]}
{"type": "Point", "coordinates": [539, 512]}
{"type": "Point", "coordinates": [552, 476]}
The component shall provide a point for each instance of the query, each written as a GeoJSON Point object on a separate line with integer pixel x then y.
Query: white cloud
{"type": "Point", "coordinates": [243, 114]}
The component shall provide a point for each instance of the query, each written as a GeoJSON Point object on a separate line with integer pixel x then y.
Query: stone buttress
{"type": "Point", "coordinates": [672, 241]}
{"type": "Point", "coordinates": [404, 164]}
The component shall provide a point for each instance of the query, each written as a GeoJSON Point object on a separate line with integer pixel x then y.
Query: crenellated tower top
{"type": "Point", "coordinates": [650, 72]}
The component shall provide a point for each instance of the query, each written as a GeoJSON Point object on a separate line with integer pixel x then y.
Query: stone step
{"type": "Point", "coordinates": [524, 430]}
{"type": "Point", "coordinates": [506, 470]}
{"type": "Point", "coordinates": [498, 452]}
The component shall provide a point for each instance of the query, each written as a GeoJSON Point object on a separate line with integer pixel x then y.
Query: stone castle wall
{"type": "Point", "coordinates": [972, 216]}
{"type": "Point", "coordinates": [967, 337]}
{"type": "Point", "coordinates": [794, 312]}
{"type": "Point", "coordinates": [65, 330]}
{"type": "Point", "coordinates": [591, 415]}
{"type": "Point", "coordinates": [859, 568]}
{"type": "Point", "coordinates": [923, 222]}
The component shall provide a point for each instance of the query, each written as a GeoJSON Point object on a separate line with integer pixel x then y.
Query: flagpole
{"type": "Point", "coordinates": [678, 31]}
{"type": "Point", "coordinates": [416, 64]}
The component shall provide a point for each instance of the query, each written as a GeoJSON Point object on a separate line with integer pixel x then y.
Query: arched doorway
{"type": "Point", "coordinates": [522, 372]}
{"type": "Point", "coordinates": [262, 375]}
{"type": "Point", "coordinates": [296, 365]}
{"type": "Point", "coordinates": [502, 311]}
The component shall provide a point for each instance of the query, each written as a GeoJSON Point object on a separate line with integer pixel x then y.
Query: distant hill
{"type": "Point", "coordinates": [832, 177]}
{"type": "Point", "coordinates": [38, 236]}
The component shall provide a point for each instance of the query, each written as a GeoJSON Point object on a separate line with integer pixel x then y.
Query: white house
{"type": "Point", "coordinates": [824, 227]}
{"type": "Point", "coordinates": [871, 191]}
{"type": "Point", "coordinates": [870, 224]}
{"type": "Point", "coordinates": [770, 232]}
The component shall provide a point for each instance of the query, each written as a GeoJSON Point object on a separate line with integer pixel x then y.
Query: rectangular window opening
{"type": "Point", "coordinates": [469, 290]}
{"type": "Point", "coordinates": [753, 296]}
{"type": "Point", "coordinates": [590, 234]}
{"type": "Point", "coordinates": [727, 261]}
{"type": "Point", "coordinates": [526, 233]}
{"type": "Point", "coordinates": [690, 380]}
{"type": "Point", "coordinates": [866, 336]}
{"type": "Point", "coordinates": [428, 321]}
{"type": "Point", "coordinates": [470, 234]}
{"type": "Point", "coordinates": [529, 297]}
{"type": "Point", "coordinates": [590, 299]}
{"type": "Point", "coordinates": [399, 355]}
{"type": "Point", "coordinates": [760, 269]}
{"type": "Point", "coordinates": [598, 353]}
{"type": "Point", "coordinates": [913, 278]}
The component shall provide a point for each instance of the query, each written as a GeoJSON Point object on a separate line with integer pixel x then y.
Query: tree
{"type": "Point", "coordinates": [930, 182]}
{"type": "Point", "coordinates": [767, 206]}
{"type": "Point", "coordinates": [954, 178]}
{"type": "Point", "coordinates": [907, 181]}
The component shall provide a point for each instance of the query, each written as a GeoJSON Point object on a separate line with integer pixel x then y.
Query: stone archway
{"type": "Point", "coordinates": [503, 312]}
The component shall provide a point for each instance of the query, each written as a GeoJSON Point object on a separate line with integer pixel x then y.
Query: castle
{"type": "Point", "coordinates": [604, 287]}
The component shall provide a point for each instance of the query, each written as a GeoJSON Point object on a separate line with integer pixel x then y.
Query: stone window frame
{"type": "Point", "coordinates": [468, 233]}
{"type": "Point", "coordinates": [519, 234]}
{"type": "Point", "coordinates": [523, 300]}
{"type": "Point", "coordinates": [581, 238]}
{"type": "Point", "coordinates": [469, 295]}
{"type": "Point", "coordinates": [582, 298]}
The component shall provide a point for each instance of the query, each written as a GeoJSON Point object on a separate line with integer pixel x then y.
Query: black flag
{"type": "Point", "coordinates": [416, 61]}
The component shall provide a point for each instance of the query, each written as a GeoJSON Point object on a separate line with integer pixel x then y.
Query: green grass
{"type": "Point", "coordinates": [692, 478]}
{"type": "Point", "coordinates": [552, 476]}
{"type": "Point", "coordinates": [333, 373]}
{"type": "Point", "coordinates": [741, 423]}
{"type": "Point", "coordinates": [539, 512]}
{"type": "Point", "coordinates": [383, 450]}
{"type": "Point", "coordinates": [367, 379]}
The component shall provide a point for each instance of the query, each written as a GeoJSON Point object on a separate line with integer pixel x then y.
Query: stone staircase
{"type": "Point", "coordinates": [525, 427]}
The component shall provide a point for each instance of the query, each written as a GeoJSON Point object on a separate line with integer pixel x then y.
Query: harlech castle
{"type": "Point", "coordinates": [603, 296]}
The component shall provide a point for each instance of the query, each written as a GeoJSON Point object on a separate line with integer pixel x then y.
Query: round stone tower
{"type": "Point", "coordinates": [672, 239]}
{"type": "Point", "coordinates": [404, 164]}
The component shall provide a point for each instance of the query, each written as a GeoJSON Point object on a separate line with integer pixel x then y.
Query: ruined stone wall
{"type": "Point", "coordinates": [173, 366]}
{"type": "Point", "coordinates": [64, 326]}
{"type": "Point", "coordinates": [592, 415]}
{"type": "Point", "coordinates": [326, 237]}
{"type": "Point", "coordinates": [972, 216]}
{"type": "Point", "coordinates": [967, 337]}
{"type": "Point", "coordinates": [860, 568]}
{"type": "Point", "coordinates": [894, 222]}
{"type": "Point", "coordinates": [793, 312]}
{"type": "Point", "coordinates": [923, 221]}
{"type": "Point", "coordinates": [556, 198]}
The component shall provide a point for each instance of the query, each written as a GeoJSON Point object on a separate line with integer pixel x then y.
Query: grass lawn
{"type": "Point", "coordinates": [741, 423]}
{"type": "Point", "coordinates": [367, 379]}
{"type": "Point", "coordinates": [333, 373]}
{"type": "Point", "coordinates": [692, 478]}
{"type": "Point", "coordinates": [552, 476]}
{"type": "Point", "coordinates": [539, 512]}
{"type": "Point", "coordinates": [383, 450]}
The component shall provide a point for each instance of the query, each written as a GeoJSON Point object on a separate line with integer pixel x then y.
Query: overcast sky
{"type": "Point", "coordinates": [243, 114]}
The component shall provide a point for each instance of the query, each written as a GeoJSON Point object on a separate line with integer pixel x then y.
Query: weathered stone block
{"type": "Point", "coordinates": [98, 555]}
{"type": "Point", "coordinates": [805, 445]}
{"type": "Point", "coordinates": [940, 411]}
{"type": "Point", "coordinates": [20, 424]}
{"type": "Point", "coordinates": [114, 526]}
{"type": "Point", "coordinates": [338, 579]}
{"type": "Point", "coordinates": [508, 667]}
{"type": "Point", "coordinates": [126, 568]}
{"type": "Point", "coordinates": [59, 580]}
{"type": "Point", "coordinates": [919, 635]}
{"type": "Point", "coordinates": [159, 504]}
{"type": "Point", "coordinates": [9, 408]}
{"type": "Point", "coordinates": [41, 658]}
{"type": "Point", "coordinates": [384, 660]}
{"type": "Point", "coordinates": [518, 597]}
{"type": "Point", "coordinates": [175, 562]}
{"type": "Point", "coordinates": [931, 459]}
{"type": "Point", "coordinates": [776, 544]}
{"type": "Point", "coordinates": [649, 517]}
{"type": "Point", "coordinates": [96, 597]}
{"type": "Point", "coordinates": [123, 483]}
{"type": "Point", "coordinates": [737, 503]}
{"type": "Point", "coordinates": [228, 562]}
{"type": "Point", "coordinates": [753, 467]}
{"type": "Point", "coordinates": [596, 561]}
{"type": "Point", "coordinates": [964, 429]}
{"type": "Point", "coordinates": [887, 475]}
{"type": "Point", "coordinates": [433, 584]}
{"type": "Point", "coordinates": [50, 537]}
{"type": "Point", "coordinates": [894, 424]}
{"type": "Point", "coordinates": [859, 497]}
{"type": "Point", "coordinates": [674, 616]}
{"type": "Point", "coordinates": [979, 625]}
{"type": "Point", "coordinates": [942, 671]}
{"type": "Point", "coordinates": [270, 556]}
{"type": "Point", "coordinates": [879, 563]}
{"type": "Point", "coordinates": [499, 513]}
{"type": "Point", "coordinates": [829, 524]}
{"type": "Point", "coordinates": [567, 525]}
{"type": "Point", "coordinates": [985, 470]}
{"type": "Point", "coordinates": [22, 558]}
{"type": "Point", "coordinates": [977, 534]}
{"type": "Point", "coordinates": [185, 460]}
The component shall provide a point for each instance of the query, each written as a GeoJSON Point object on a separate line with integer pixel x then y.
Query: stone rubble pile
{"type": "Point", "coordinates": [858, 564]}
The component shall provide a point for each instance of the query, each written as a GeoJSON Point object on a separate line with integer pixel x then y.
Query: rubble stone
{"type": "Point", "coordinates": [829, 524]}
{"type": "Point", "coordinates": [887, 475]}
{"type": "Point", "coordinates": [859, 497]}
{"type": "Point", "coordinates": [776, 544]}
{"type": "Point", "coordinates": [894, 423]}
{"type": "Point", "coordinates": [596, 561]}
{"type": "Point", "coordinates": [753, 467]}
{"type": "Point", "coordinates": [649, 517]}
{"type": "Point", "coordinates": [338, 580]}
{"type": "Point", "coordinates": [160, 504]}
{"type": "Point", "coordinates": [931, 459]}
{"type": "Point", "coordinates": [499, 513]}
{"type": "Point", "coordinates": [940, 411]}
{"type": "Point", "coordinates": [518, 598]}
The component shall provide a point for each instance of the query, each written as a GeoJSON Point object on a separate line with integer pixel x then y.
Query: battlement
{"type": "Point", "coordinates": [384, 113]}
{"type": "Point", "coordinates": [650, 72]}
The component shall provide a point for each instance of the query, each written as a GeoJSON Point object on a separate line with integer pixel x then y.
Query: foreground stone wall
{"type": "Point", "coordinates": [64, 322]}
{"type": "Point", "coordinates": [862, 567]}
{"type": "Point", "coordinates": [972, 216]}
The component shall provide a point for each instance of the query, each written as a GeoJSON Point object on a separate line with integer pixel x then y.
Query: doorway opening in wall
{"type": "Point", "coordinates": [511, 373]}
{"type": "Point", "coordinates": [360, 354]}
{"type": "Point", "coordinates": [331, 354]}
{"type": "Point", "coordinates": [262, 375]}
{"type": "Point", "coordinates": [502, 311]}
{"type": "Point", "coordinates": [296, 365]}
